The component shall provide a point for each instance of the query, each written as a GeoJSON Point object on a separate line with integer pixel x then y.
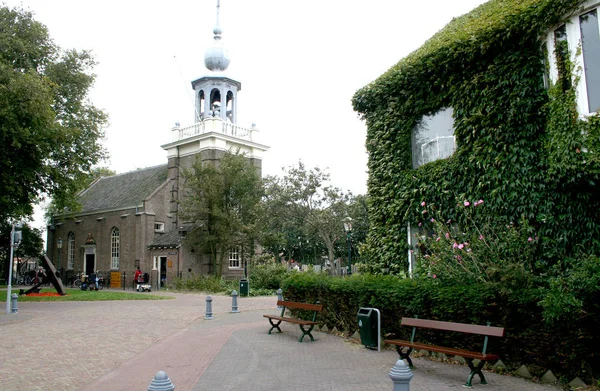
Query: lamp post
{"type": "Point", "coordinates": [59, 246]}
{"type": "Point", "coordinates": [348, 228]}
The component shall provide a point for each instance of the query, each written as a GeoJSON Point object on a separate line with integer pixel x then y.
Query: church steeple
{"type": "Point", "coordinates": [216, 95]}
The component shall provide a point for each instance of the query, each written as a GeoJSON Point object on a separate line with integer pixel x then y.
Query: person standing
{"type": "Point", "coordinates": [137, 278]}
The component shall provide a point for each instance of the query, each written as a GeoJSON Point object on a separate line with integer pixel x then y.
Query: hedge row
{"type": "Point", "coordinates": [568, 348]}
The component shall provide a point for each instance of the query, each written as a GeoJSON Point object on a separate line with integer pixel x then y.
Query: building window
{"type": "Point", "coordinates": [433, 137]}
{"type": "Point", "coordinates": [234, 258]}
{"type": "Point", "coordinates": [114, 248]}
{"type": "Point", "coordinates": [590, 45]}
{"type": "Point", "coordinates": [71, 251]}
{"type": "Point", "coordinates": [159, 227]}
{"type": "Point", "coordinates": [578, 41]}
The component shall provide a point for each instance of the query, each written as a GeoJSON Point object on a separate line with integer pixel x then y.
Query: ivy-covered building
{"type": "Point", "coordinates": [502, 105]}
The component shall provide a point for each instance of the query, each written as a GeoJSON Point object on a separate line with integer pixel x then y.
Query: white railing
{"type": "Point", "coordinates": [212, 125]}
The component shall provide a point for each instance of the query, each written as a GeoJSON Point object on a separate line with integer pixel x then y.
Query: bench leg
{"type": "Point", "coordinates": [404, 355]}
{"type": "Point", "coordinates": [306, 332]}
{"type": "Point", "coordinates": [274, 326]}
{"type": "Point", "coordinates": [475, 370]}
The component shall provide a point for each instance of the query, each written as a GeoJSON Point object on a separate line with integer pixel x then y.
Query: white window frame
{"type": "Point", "coordinates": [159, 227]}
{"type": "Point", "coordinates": [235, 257]}
{"type": "Point", "coordinates": [419, 149]}
{"type": "Point", "coordinates": [115, 248]}
{"type": "Point", "coordinates": [70, 251]}
{"type": "Point", "coordinates": [576, 55]}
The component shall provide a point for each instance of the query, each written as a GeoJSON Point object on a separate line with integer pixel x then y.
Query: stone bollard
{"type": "Point", "coordinates": [401, 376]}
{"type": "Point", "coordinates": [234, 304]}
{"type": "Point", "coordinates": [15, 303]}
{"type": "Point", "coordinates": [161, 382]}
{"type": "Point", "coordinates": [209, 314]}
{"type": "Point", "coordinates": [279, 296]}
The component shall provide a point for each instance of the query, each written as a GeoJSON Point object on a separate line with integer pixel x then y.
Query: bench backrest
{"type": "Point", "coordinates": [451, 326]}
{"type": "Point", "coordinates": [299, 306]}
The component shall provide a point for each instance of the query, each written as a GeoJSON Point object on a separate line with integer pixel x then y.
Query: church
{"type": "Point", "coordinates": [131, 219]}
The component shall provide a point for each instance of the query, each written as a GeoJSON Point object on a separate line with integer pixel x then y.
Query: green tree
{"type": "Point", "coordinates": [83, 182]}
{"type": "Point", "coordinates": [221, 199]}
{"type": "Point", "coordinates": [49, 130]}
{"type": "Point", "coordinates": [31, 245]}
{"type": "Point", "coordinates": [303, 201]}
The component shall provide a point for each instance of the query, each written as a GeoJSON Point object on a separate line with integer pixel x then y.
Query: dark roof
{"type": "Point", "coordinates": [123, 190]}
{"type": "Point", "coordinates": [171, 239]}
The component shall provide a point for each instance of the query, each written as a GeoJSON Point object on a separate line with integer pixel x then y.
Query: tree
{"type": "Point", "coordinates": [303, 200]}
{"type": "Point", "coordinates": [221, 200]}
{"type": "Point", "coordinates": [49, 131]}
{"type": "Point", "coordinates": [31, 245]}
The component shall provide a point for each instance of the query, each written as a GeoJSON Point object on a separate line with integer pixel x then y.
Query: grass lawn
{"type": "Point", "coordinates": [74, 294]}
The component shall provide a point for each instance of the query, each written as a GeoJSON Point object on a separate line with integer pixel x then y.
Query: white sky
{"type": "Point", "coordinates": [299, 63]}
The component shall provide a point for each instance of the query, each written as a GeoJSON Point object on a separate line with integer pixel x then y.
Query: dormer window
{"type": "Point", "coordinates": [159, 227]}
{"type": "Point", "coordinates": [433, 138]}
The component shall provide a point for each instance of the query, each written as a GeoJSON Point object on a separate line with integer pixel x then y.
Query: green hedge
{"type": "Point", "coordinates": [568, 347]}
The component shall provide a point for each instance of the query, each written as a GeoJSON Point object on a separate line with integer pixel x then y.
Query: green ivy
{"type": "Point", "coordinates": [521, 147]}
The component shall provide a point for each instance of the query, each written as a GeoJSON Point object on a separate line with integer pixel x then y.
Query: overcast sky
{"type": "Point", "coordinates": [299, 63]}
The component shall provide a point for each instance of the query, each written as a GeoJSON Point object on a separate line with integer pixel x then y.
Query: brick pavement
{"type": "Point", "coordinates": [120, 345]}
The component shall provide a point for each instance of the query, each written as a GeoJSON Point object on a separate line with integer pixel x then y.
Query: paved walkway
{"type": "Point", "coordinates": [120, 345]}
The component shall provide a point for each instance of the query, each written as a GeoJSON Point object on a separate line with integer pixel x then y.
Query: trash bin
{"type": "Point", "coordinates": [244, 288]}
{"type": "Point", "coordinates": [367, 327]}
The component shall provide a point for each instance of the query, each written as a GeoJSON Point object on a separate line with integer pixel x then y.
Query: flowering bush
{"type": "Point", "coordinates": [474, 251]}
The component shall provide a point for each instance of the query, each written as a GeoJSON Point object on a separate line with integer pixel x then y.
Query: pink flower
{"type": "Point", "coordinates": [435, 276]}
{"type": "Point", "coordinates": [478, 202]}
{"type": "Point", "coordinates": [437, 239]}
{"type": "Point", "coordinates": [530, 239]}
{"type": "Point", "coordinates": [455, 245]}
{"type": "Point", "coordinates": [480, 237]}
{"type": "Point", "coordinates": [412, 251]}
{"type": "Point", "coordinates": [458, 257]}
{"type": "Point", "coordinates": [423, 203]}
{"type": "Point", "coordinates": [432, 220]}
{"type": "Point", "coordinates": [423, 212]}
{"type": "Point", "coordinates": [449, 221]}
{"type": "Point", "coordinates": [420, 224]}
{"type": "Point", "coordinates": [461, 246]}
{"type": "Point", "coordinates": [447, 235]}
{"type": "Point", "coordinates": [466, 243]}
{"type": "Point", "coordinates": [467, 203]}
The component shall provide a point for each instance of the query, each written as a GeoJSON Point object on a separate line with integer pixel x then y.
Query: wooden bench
{"type": "Point", "coordinates": [468, 355]}
{"type": "Point", "coordinates": [315, 308]}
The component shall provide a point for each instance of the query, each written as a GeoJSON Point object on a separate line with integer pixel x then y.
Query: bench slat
{"type": "Point", "coordinates": [290, 320]}
{"type": "Point", "coordinates": [300, 306]}
{"type": "Point", "coordinates": [442, 349]}
{"type": "Point", "coordinates": [451, 326]}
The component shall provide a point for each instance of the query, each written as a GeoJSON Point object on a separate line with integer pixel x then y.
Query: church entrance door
{"type": "Point", "coordinates": [90, 263]}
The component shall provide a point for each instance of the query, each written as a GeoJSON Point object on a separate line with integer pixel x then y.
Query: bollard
{"type": "Point", "coordinates": [15, 303]}
{"type": "Point", "coordinates": [279, 296]}
{"type": "Point", "coordinates": [401, 376]}
{"type": "Point", "coordinates": [161, 382]}
{"type": "Point", "coordinates": [234, 304]}
{"type": "Point", "coordinates": [209, 314]}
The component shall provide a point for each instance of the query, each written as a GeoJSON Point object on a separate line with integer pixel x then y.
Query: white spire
{"type": "Point", "coordinates": [216, 57]}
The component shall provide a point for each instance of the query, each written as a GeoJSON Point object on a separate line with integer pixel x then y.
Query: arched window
{"type": "Point", "coordinates": [71, 250]}
{"type": "Point", "coordinates": [114, 248]}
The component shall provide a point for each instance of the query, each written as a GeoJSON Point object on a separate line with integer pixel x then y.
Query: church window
{"type": "Point", "coordinates": [433, 138]}
{"type": "Point", "coordinates": [234, 257]}
{"type": "Point", "coordinates": [71, 251]}
{"type": "Point", "coordinates": [114, 248]}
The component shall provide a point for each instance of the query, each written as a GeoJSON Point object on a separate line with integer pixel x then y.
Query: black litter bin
{"type": "Point", "coordinates": [244, 288]}
{"type": "Point", "coordinates": [367, 327]}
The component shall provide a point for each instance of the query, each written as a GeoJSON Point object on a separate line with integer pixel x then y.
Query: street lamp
{"type": "Point", "coordinates": [348, 228]}
{"type": "Point", "coordinates": [59, 246]}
